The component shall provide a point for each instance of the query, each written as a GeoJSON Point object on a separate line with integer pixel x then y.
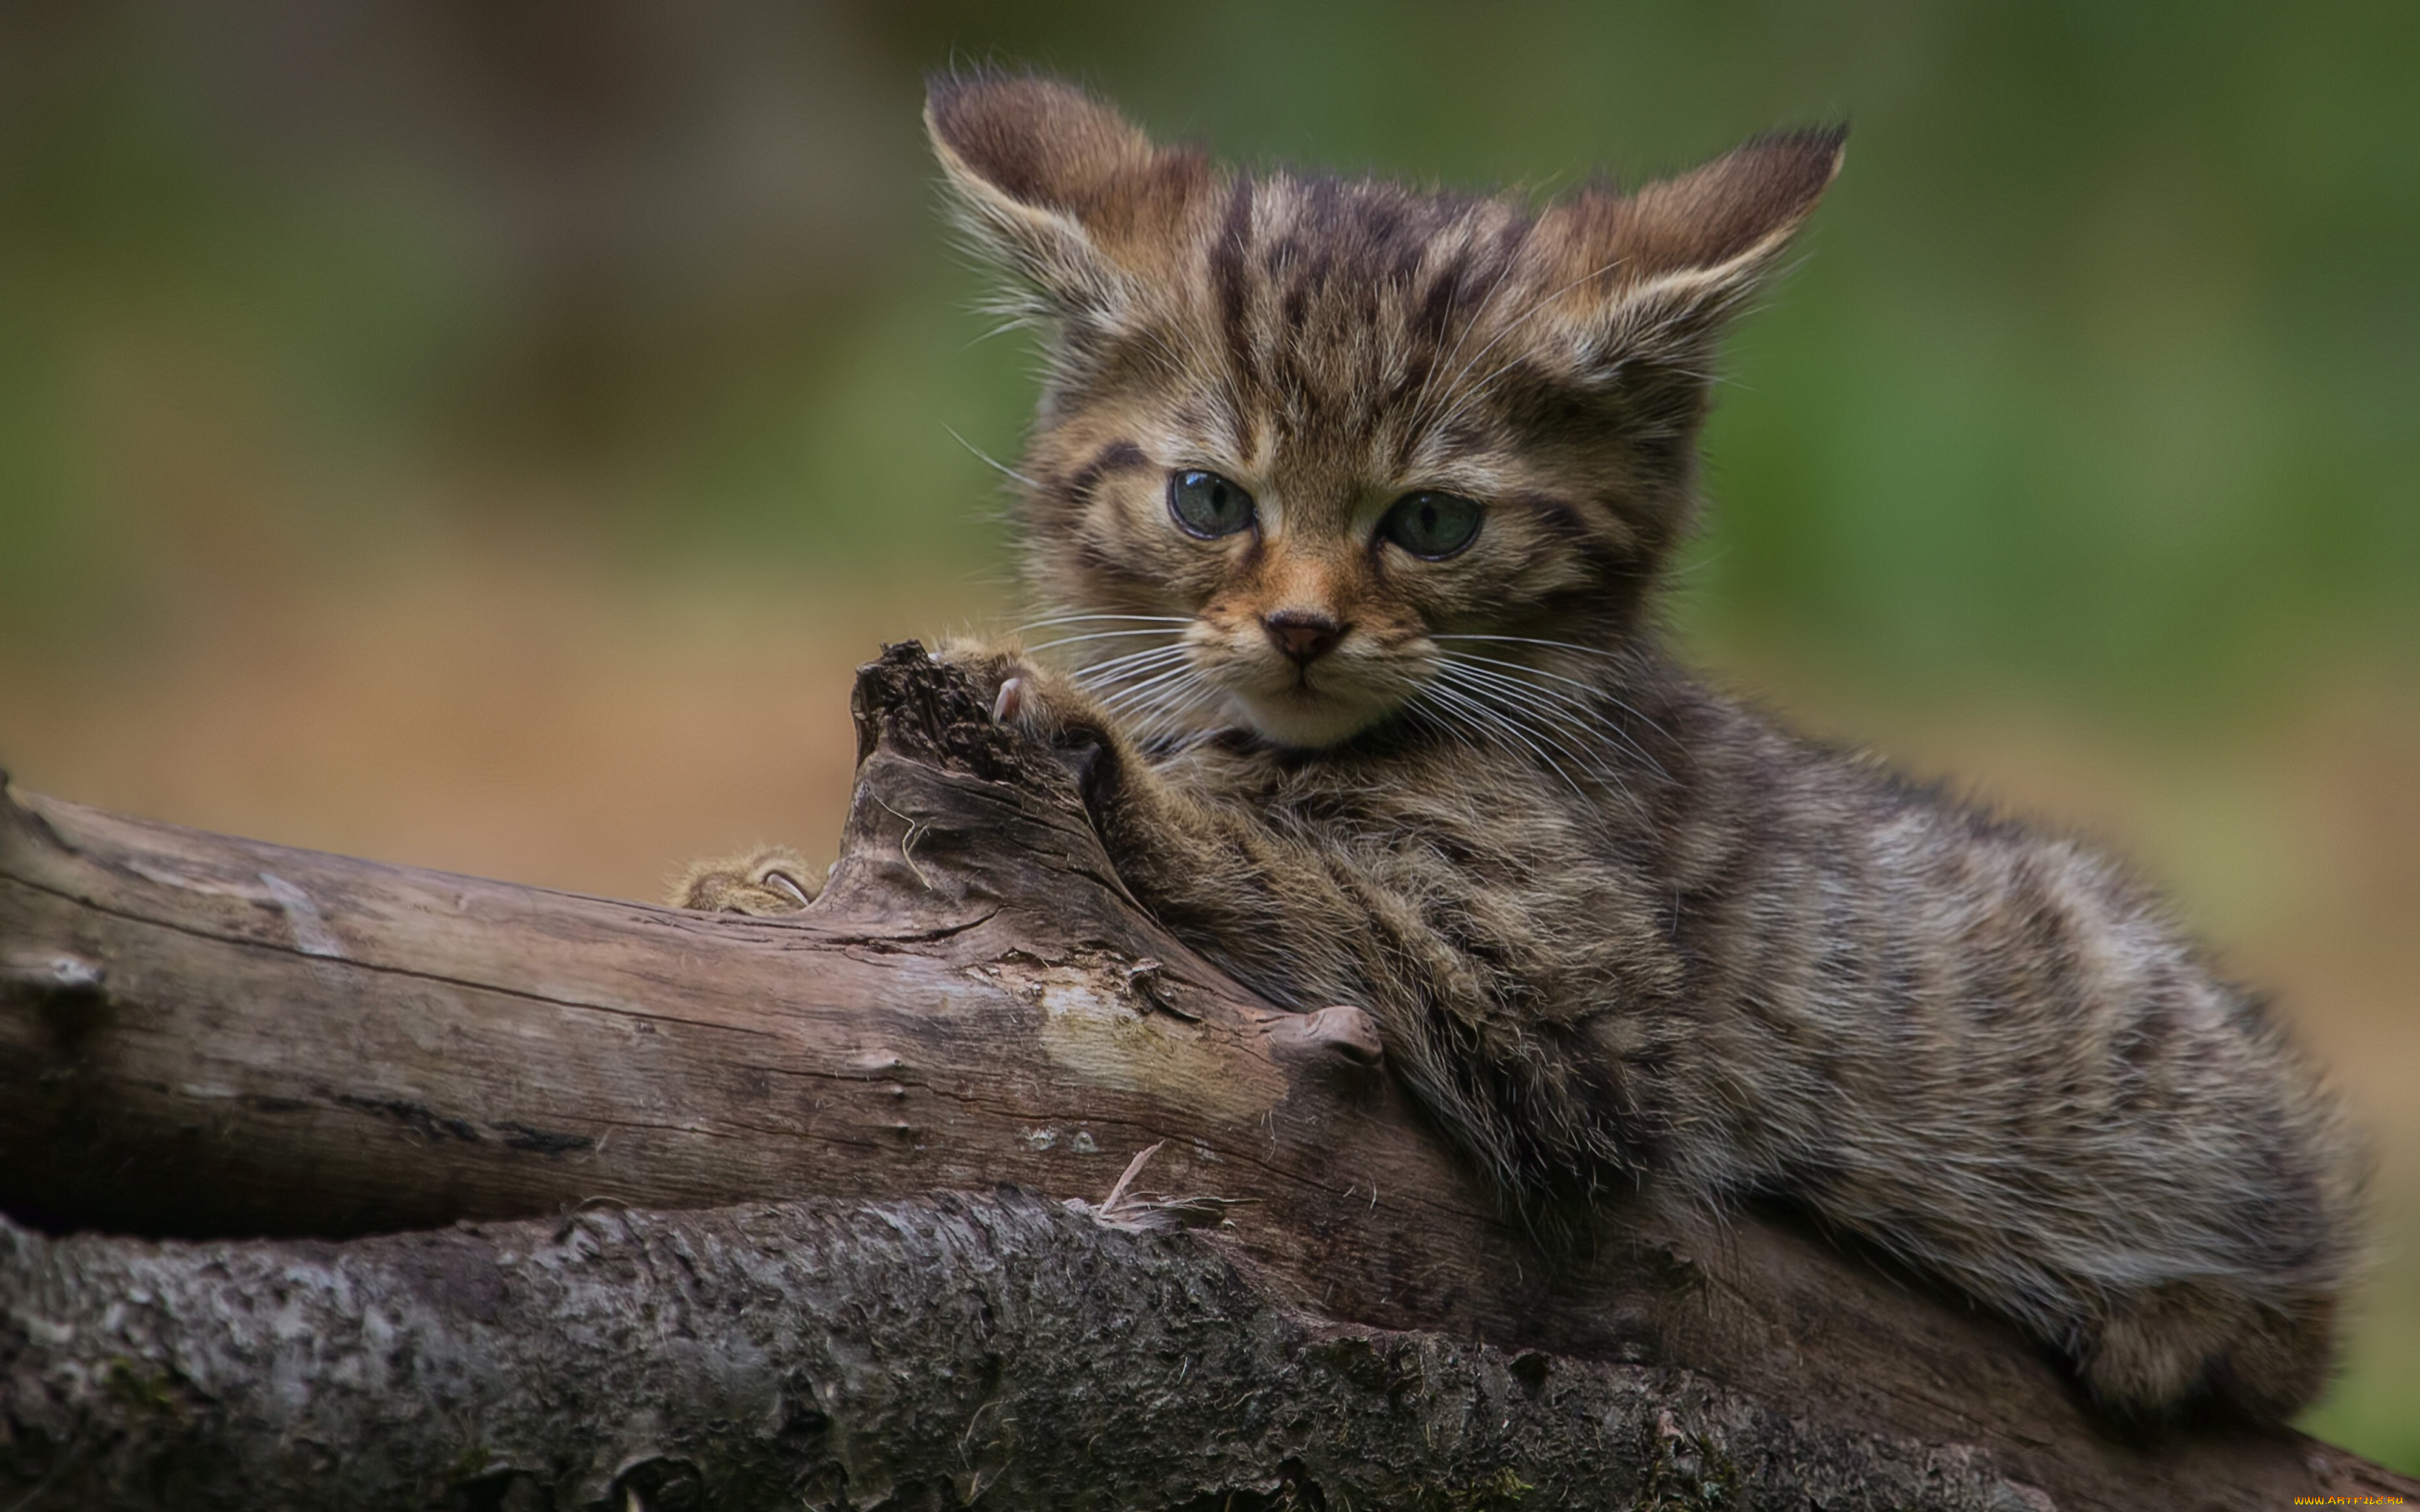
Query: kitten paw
{"type": "Point", "coordinates": [1341, 1032]}
{"type": "Point", "coordinates": [772, 879]}
{"type": "Point", "coordinates": [1033, 699]}
{"type": "Point", "coordinates": [2182, 1340]}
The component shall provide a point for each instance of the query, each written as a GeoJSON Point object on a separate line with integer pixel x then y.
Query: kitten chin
{"type": "Point", "coordinates": [1302, 719]}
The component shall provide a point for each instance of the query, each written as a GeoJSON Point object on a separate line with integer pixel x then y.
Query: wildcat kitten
{"type": "Point", "coordinates": [1351, 501]}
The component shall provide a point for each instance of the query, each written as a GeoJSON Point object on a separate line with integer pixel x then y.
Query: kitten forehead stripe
{"type": "Point", "coordinates": [1228, 278]}
{"type": "Point", "coordinates": [1117, 456]}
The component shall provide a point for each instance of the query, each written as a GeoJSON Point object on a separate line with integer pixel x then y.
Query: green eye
{"type": "Point", "coordinates": [1432, 525]}
{"type": "Point", "coordinates": [1207, 505]}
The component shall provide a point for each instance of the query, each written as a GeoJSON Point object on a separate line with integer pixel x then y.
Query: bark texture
{"type": "Point", "coordinates": [211, 1038]}
{"type": "Point", "coordinates": [927, 1353]}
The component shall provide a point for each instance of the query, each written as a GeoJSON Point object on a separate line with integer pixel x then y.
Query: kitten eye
{"type": "Point", "coordinates": [1207, 505]}
{"type": "Point", "coordinates": [1432, 525]}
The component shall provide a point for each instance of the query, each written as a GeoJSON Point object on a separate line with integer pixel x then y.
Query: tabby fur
{"type": "Point", "coordinates": [1614, 927]}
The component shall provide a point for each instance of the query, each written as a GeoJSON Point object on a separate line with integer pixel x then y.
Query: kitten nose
{"type": "Point", "coordinates": [1306, 635]}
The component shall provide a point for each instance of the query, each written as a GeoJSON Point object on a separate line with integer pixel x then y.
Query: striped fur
{"type": "Point", "coordinates": [1615, 927]}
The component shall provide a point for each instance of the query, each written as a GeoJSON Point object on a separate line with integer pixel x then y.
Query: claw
{"type": "Point", "coordinates": [1010, 700]}
{"type": "Point", "coordinates": [1347, 1033]}
{"type": "Point", "coordinates": [784, 883]}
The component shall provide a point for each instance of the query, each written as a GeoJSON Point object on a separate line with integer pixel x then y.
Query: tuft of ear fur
{"type": "Point", "coordinates": [1067, 192]}
{"type": "Point", "coordinates": [1733, 213]}
{"type": "Point", "coordinates": [1654, 274]}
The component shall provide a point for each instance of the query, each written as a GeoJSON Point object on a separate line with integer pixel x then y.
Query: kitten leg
{"type": "Point", "coordinates": [1307, 927]}
{"type": "Point", "coordinates": [1211, 872]}
{"type": "Point", "coordinates": [770, 879]}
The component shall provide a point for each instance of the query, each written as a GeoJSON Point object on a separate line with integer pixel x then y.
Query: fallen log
{"type": "Point", "coordinates": [929, 1352]}
{"type": "Point", "coordinates": [212, 1039]}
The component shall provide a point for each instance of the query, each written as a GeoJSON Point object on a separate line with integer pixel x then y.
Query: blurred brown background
{"type": "Point", "coordinates": [486, 434]}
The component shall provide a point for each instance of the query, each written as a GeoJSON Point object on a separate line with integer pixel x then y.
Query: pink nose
{"type": "Point", "coordinates": [1306, 635]}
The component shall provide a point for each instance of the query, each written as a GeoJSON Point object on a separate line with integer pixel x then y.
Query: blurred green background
{"type": "Point", "coordinates": [428, 427]}
{"type": "Point", "coordinates": [2099, 373]}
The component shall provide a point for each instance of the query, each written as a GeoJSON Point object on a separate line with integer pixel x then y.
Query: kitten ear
{"type": "Point", "coordinates": [1662, 268]}
{"type": "Point", "coordinates": [1068, 191]}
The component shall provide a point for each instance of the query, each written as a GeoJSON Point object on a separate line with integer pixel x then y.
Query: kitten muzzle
{"type": "Point", "coordinates": [1303, 635]}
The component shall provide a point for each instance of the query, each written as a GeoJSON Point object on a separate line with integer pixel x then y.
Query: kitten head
{"type": "Point", "coordinates": [1313, 429]}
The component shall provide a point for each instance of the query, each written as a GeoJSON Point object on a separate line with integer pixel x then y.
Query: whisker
{"type": "Point", "coordinates": [1544, 722]}
{"type": "Point", "coordinates": [1150, 656]}
{"type": "Point", "coordinates": [1126, 697]}
{"type": "Point", "coordinates": [1138, 651]}
{"type": "Point", "coordinates": [991, 461]}
{"type": "Point", "coordinates": [1529, 719]}
{"type": "Point", "coordinates": [1168, 712]}
{"type": "Point", "coordinates": [1101, 678]}
{"type": "Point", "coordinates": [1096, 635]}
{"type": "Point", "coordinates": [1473, 667]}
{"type": "Point", "coordinates": [1495, 720]}
{"type": "Point", "coordinates": [1556, 700]}
{"type": "Point", "coordinates": [1533, 641]}
{"type": "Point", "coordinates": [1411, 686]}
{"type": "Point", "coordinates": [1133, 664]}
{"type": "Point", "coordinates": [1606, 694]}
{"type": "Point", "coordinates": [1160, 716]}
{"type": "Point", "coordinates": [1548, 725]}
{"type": "Point", "coordinates": [1122, 619]}
{"type": "Point", "coordinates": [1134, 661]}
{"type": "Point", "coordinates": [1143, 713]}
{"type": "Point", "coordinates": [1430, 718]}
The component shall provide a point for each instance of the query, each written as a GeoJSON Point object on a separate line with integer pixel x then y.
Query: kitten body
{"type": "Point", "coordinates": [1613, 926]}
